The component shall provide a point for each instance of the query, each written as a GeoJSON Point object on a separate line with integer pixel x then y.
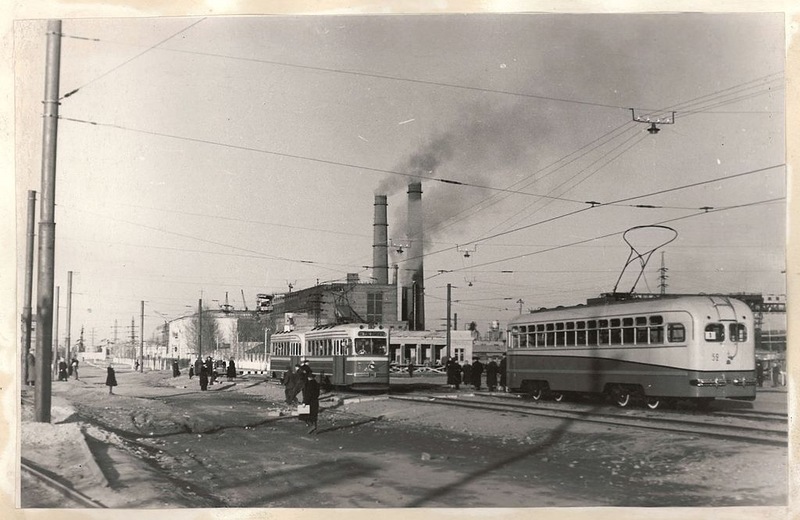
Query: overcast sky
{"type": "Point", "coordinates": [228, 154]}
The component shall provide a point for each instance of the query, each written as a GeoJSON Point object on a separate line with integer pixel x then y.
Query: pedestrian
{"type": "Point", "coordinates": [776, 374]}
{"type": "Point", "coordinates": [175, 369]}
{"type": "Point", "coordinates": [203, 377]}
{"type": "Point", "coordinates": [198, 364]}
{"type": "Point", "coordinates": [293, 382]}
{"type": "Point", "coordinates": [477, 372]}
{"type": "Point", "coordinates": [305, 368]}
{"type": "Point", "coordinates": [311, 399]}
{"type": "Point", "coordinates": [62, 370]}
{"type": "Point", "coordinates": [453, 373]}
{"type": "Point", "coordinates": [136, 365]}
{"type": "Point", "coordinates": [231, 370]}
{"type": "Point", "coordinates": [491, 375]}
{"type": "Point", "coordinates": [760, 373]}
{"type": "Point", "coordinates": [502, 369]}
{"type": "Point", "coordinates": [74, 366]}
{"type": "Point", "coordinates": [410, 368]}
{"type": "Point", "coordinates": [111, 379]}
{"type": "Point", "coordinates": [466, 371]}
{"type": "Point", "coordinates": [191, 371]}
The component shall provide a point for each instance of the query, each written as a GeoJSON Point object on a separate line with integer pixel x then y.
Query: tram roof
{"type": "Point", "coordinates": [692, 303]}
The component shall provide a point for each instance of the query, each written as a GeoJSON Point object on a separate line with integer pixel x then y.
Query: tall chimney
{"type": "Point", "coordinates": [380, 239]}
{"type": "Point", "coordinates": [416, 290]}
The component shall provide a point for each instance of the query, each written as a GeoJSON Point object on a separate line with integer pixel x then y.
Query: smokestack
{"type": "Point", "coordinates": [415, 298]}
{"type": "Point", "coordinates": [380, 239]}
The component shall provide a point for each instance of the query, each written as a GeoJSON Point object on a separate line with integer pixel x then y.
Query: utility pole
{"type": "Point", "coordinates": [662, 276]}
{"type": "Point", "coordinates": [132, 348]}
{"type": "Point", "coordinates": [141, 341]}
{"type": "Point", "coordinates": [200, 328]}
{"type": "Point", "coordinates": [69, 315]}
{"type": "Point", "coordinates": [55, 331]}
{"type": "Point", "coordinates": [27, 311]}
{"type": "Point", "coordinates": [47, 226]}
{"type": "Point", "coordinates": [448, 321]}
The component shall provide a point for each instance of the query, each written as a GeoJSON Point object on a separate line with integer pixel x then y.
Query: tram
{"type": "Point", "coordinates": [352, 355]}
{"type": "Point", "coordinates": [653, 351]}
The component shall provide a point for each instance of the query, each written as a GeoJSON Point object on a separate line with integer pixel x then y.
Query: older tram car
{"type": "Point", "coordinates": [653, 351]}
{"type": "Point", "coordinates": [353, 355]}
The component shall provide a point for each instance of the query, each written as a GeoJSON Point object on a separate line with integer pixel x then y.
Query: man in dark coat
{"type": "Point", "coordinates": [311, 398]}
{"type": "Point", "coordinates": [175, 370]}
{"type": "Point", "coordinates": [231, 370]}
{"type": "Point", "coordinates": [305, 369]}
{"type": "Point", "coordinates": [466, 370]}
{"type": "Point", "coordinates": [502, 370]}
{"type": "Point", "coordinates": [62, 370]}
{"type": "Point", "coordinates": [491, 375]}
{"type": "Point", "coordinates": [453, 373]}
{"type": "Point", "coordinates": [198, 365]}
{"type": "Point", "coordinates": [203, 377]}
{"type": "Point", "coordinates": [477, 373]}
{"type": "Point", "coordinates": [410, 369]}
{"type": "Point", "coordinates": [111, 379]}
{"type": "Point", "coordinates": [293, 383]}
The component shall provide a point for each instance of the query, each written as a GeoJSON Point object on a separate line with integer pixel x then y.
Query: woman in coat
{"type": "Point", "coordinates": [311, 398]}
{"type": "Point", "coordinates": [231, 370]}
{"type": "Point", "coordinates": [111, 379]}
{"type": "Point", "coordinates": [203, 377]}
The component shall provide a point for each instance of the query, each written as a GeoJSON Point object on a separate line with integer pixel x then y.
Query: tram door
{"type": "Point", "coordinates": [339, 370]}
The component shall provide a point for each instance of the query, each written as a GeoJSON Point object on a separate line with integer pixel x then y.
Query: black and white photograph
{"type": "Point", "coordinates": [335, 261]}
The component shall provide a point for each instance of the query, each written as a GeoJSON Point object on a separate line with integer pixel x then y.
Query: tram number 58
{"type": "Point", "coordinates": [714, 356]}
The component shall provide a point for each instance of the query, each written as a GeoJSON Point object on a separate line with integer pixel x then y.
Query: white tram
{"type": "Point", "coordinates": [652, 350]}
{"type": "Point", "coordinates": [351, 355]}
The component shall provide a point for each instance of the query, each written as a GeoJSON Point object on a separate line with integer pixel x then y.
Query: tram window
{"type": "Point", "coordinates": [570, 325]}
{"type": "Point", "coordinates": [549, 327]}
{"type": "Point", "coordinates": [580, 324]}
{"type": "Point", "coordinates": [715, 332]}
{"type": "Point", "coordinates": [580, 337]}
{"type": "Point", "coordinates": [523, 340]}
{"type": "Point", "coordinates": [540, 327]}
{"type": "Point", "coordinates": [603, 324]}
{"type": "Point", "coordinates": [540, 339]}
{"type": "Point", "coordinates": [641, 320]}
{"type": "Point", "coordinates": [657, 334]}
{"type": "Point", "coordinates": [559, 326]}
{"type": "Point", "coordinates": [551, 339]}
{"type": "Point", "coordinates": [531, 338]}
{"type": "Point", "coordinates": [737, 332]}
{"type": "Point", "coordinates": [656, 320]}
{"type": "Point", "coordinates": [570, 338]}
{"type": "Point", "coordinates": [591, 324]}
{"type": "Point", "coordinates": [603, 336]}
{"type": "Point", "coordinates": [676, 333]}
{"type": "Point", "coordinates": [616, 336]}
{"type": "Point", "coordinates": [627, 336]}
{"type": "Point", "coordinates": [641, 335]}
{"type": "Point", "coordinates": [593, 337]}
{"type": "Point", "coordinates": [615, 322]}
{"type": "Point", "coordinates": [627, 322]}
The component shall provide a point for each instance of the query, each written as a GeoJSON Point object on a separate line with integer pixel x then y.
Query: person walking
{"type": "Point", "coordinates": [410, 368]}
{"type": "Point", "coordinates": [74, 366]}
{"type": "Point", "coordinates": [502, 369]}
{"type": "Point", "coordinates": [491, 375]}
{"type": "Point", "coordinates": [293, 384]}
{"type": "Point", "coordinates": [62, 370]}
{"type": "Point", "coordinates": [175, 369]}
{"type": "Point", "coordinates": [311, 398]}
{"type": "Point", "coordinates": [477, 372]}
{"type": "Point", "coordinates": [230, 371]}
{"type": "Point", "coordinates": [203, 377]}
{"type": "Point", "coordinates": [111, 379]}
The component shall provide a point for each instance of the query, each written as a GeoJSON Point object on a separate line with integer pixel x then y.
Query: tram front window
{"type": "Point", "coordinates": [370, 346]}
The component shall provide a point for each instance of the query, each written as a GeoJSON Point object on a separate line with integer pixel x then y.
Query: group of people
{"type": "Point", "coordinates": [207, 372]}
{"type": "Point", "coordinates": [66, 370]}
{"type": "Point", "coordinates": [775, 374]}
{"type": "Point", "coordinates": [301, 379]}
{"type": "Point", "coordinates": [472, 374]}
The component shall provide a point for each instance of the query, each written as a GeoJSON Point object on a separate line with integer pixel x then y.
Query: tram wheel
{"type": "Point", "coordinates": [558, 397]}
{"type": "Point", "coordinates": [537, 393]}
{"type": "Point", "coordinates": [652, 402]}
{"type": "Point", "coordinates": [621, 396]}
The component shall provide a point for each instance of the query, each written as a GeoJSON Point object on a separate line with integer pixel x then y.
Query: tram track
{"type": "Point", "coordinates": [41, 476]}
{"type": "Point", "coordinates": [735, 432]}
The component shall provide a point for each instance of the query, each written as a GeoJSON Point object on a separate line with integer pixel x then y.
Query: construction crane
{"type": "Point", "coordinates": [244, 301]}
